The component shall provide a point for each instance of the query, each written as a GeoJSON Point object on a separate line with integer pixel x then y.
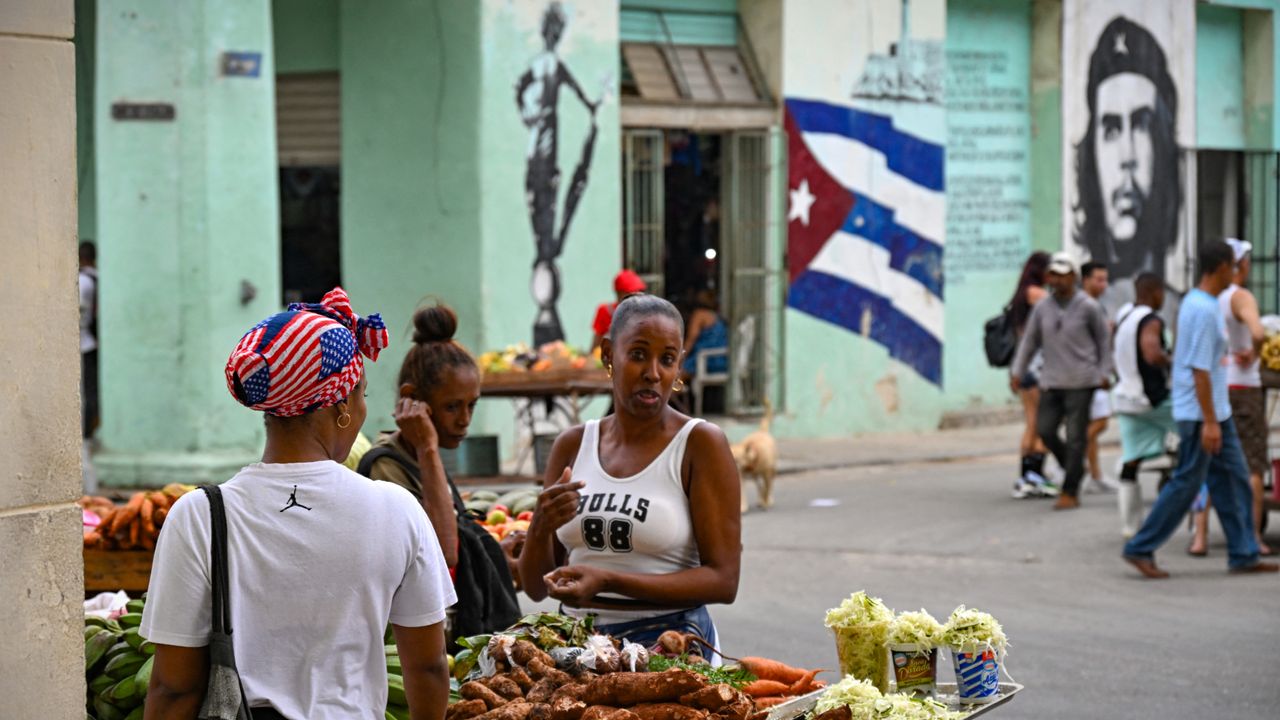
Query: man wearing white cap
{"type": "Point", "coordinates": [1244, 390]}
{"type": "Point", "coordinates": [1070, 330]}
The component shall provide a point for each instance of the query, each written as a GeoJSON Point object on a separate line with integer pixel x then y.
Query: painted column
{"type": "Point", "coordinates": [188, 231]}
{"type": "Point", "coordinates": [41, 576]}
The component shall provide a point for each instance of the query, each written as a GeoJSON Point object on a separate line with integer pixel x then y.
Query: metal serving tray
{"type": "Point", "coordinates": [800, 706]}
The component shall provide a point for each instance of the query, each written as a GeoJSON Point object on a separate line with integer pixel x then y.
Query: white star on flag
{"type": "Point", "coordinates": [801, 201]}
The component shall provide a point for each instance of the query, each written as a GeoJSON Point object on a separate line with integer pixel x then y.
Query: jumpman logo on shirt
{"type": "Point", "coordinates": [293, 501]}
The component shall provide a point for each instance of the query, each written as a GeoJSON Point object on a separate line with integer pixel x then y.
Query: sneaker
{"type": "Point", "coordinates": [1044, 488]}
{"type": "Point", "coordinates": [1101, 486]}
{"type": "Point", "coordinates": [1022, 489]}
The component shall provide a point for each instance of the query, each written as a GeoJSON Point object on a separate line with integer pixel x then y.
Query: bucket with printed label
{"type": "Point", "coordinates": [977, 674]}
{"type": "Point", "coordinates": [915, 668]}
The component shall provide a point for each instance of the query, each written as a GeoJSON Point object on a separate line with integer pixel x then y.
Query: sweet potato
{"type": "Point", "coordinates": [843, 712]}
{"type": "Point", "coordinates": [546, 670]}
{"type": "Point", "coordinates": [525, 652]}
{"type": "Point", "coordinates": [504, 686]}
{"type": "Point", "coordinates": [518, 710]}
{"type": "Point", "coordinates": [627, 689]}
{"type": "Point", "coordinates": [466, 709]}
{"type": "Point", "coordinates": [567, 708]}
{"type": "Point", "coordinates": [541, 692]}
{"type": "Point", "coordinates": [712, 697]}
{"type": "Point", "coordinates": [476, 691]}
{"type": "Point", "coordinates": [668, 711]}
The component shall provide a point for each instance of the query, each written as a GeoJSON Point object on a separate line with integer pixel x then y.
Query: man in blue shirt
{"type": "Point", "coordinates": [1209, 448]}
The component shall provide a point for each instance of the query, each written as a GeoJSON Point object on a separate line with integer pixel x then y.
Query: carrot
{"type": "Point", "coordinates": [770, 701]}
{"type": "Point", "coordinates": [161, 514]}
{"type": "Point", "coordinates": [765, 688]}
{"type": "Point", "coordinates": [804, 684]}
{"type": "Point", "coordinates": [129, 511]}
{"type": "Point", "coordinates": [766, 669]}
{"type": "Point", "coordinates": [145, 519]}
{"type": "Point", "coordinates": [135, 530]}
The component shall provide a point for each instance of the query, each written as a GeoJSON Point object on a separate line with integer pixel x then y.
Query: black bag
{"type": "Point", "coordinates": [999, 339]}
{"type": "Point", "coordinates": [486, 593]}
{"type": "Point", "coordinates": [224, 699]}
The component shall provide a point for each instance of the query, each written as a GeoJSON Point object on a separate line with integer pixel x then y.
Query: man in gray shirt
{"type": "Point", "coordinates": [1069, 329]}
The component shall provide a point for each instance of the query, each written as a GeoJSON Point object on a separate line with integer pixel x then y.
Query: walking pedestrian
{"type": "Point", "coordinates": [1244, 391]}
{"type": "Point", "coordinates": [1031, 481]}
{"type": "Point", "coordinates": [1143, 409]}
{"type": "Point", "coordinates": [1093, 280]}
{"type": "Point", "coordinates": [1209, 448]}
{"type": "Point", "coordinates": [1070, 330]}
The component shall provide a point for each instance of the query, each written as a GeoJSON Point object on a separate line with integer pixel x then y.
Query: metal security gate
{"type": "Point", "coordinates": [643, 212]}
{"type": "Point", "coordinates": [1262, 227]}
{"type": "Point", "coordinates": [745, 268]}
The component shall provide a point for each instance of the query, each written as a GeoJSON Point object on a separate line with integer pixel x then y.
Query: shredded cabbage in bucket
{"type": "Point", "coordinates": [858, 609]}
{"type": "Point", "coordinates": [861, 626]}
{"type": "Point", "coordinates": [916, 628]}
{"type": "Point", "coordinates": [969, 628]}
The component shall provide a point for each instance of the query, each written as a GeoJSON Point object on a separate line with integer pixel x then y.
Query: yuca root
{"type": "Point", "coordinates": [739, 709]}
{"type": "Point", "coordinates": [567, 708]}
{"type": "Point", "coordinates": [475, 691]}
{"type": "Point", "coordinates": [668, 711]}
{"type": "Point", "coordinates": [710, 698]}
{"type": "Point", "coordinates": [504, 686]}
{"type": "Point", "coordinates": [518, 710]}
{"type": "Point", "coordinates": [524, 652]}
{"type": "Point", "coordinates": [466, 709]}
{"type": "Point", "coordinates": [522, 679]}
{"type": "Point", "coordinates": [547, 670]}
{"type": "Point", "coordinates": [541, 692]}
{"type": "Point", "coordinates": [573, 691]}
{"type": "Point", "coordinates": [627, 689]}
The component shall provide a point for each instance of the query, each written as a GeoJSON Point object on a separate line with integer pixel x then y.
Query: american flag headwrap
{"type": "Point", "coordinates": [304, 358]}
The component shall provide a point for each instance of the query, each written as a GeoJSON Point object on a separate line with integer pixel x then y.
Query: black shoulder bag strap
{"type": "Point", "coordinates": [225, 698]}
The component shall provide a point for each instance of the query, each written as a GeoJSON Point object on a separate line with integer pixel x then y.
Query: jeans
{"type": "Point", "coordinates": [1227, 476]}
{"type": "Point", "coordinates": [1070, 408]}
{"type": "Point", "coordinates": [645, 631]}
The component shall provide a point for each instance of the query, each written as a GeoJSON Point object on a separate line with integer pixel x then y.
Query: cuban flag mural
{"type": "Point", "coordinates": [867, 208]}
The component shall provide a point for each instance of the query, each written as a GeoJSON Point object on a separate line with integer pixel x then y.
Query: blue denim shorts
{"type": "Point", "coordinates": [645, 631]}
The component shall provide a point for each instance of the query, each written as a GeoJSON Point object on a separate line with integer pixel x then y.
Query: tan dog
{"type": "Point", "coordinates": [757, 455]}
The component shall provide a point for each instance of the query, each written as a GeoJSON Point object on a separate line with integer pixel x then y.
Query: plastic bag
{"type": "Point", "coordinates": [106, 605]}
{"type": "Point", "coordinates": [599, 654]}
{"type": "Point", "coordinates": [635, 657]}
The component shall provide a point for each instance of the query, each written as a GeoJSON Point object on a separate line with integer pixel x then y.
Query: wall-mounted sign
{"type": "Point", "coordinates": [142, 111]}
{"type": "Point", "coordinates": [241, 64]}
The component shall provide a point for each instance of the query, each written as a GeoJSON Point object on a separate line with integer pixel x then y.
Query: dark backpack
{"type": "Point", "coordinates": [999, 339]}
{"type": "Point", "coordinates": [486, 594]}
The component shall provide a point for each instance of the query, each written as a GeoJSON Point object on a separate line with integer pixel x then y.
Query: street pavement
{"type": "Point", "coordinates": [1089, 638]}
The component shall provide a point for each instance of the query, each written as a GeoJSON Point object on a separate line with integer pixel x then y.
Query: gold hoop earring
{"type": "Point", "coordinates": [608, 370]}
{"type": "Point", "coordinates": [678, 386]}
{"type": "Point", "coordinates": [347, 424]}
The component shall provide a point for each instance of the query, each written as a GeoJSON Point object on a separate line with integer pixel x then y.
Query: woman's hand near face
{"type": "Point", "coordinates": [557, 505]}
{"type": "Point", "coordinates": [413, 417]}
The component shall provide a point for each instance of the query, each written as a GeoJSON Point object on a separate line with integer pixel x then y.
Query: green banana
{"type": "Point", "coordinates": [95, 649]}
{"type": "Point", "coordinates": [129, 620]}
{"type": "Point", "coordinates": [91, 630]}
{"type": "Point", "coordinates": [396, 712]}
{"type": "Point", "coordinates": [389, 637]}
{"type": "Point", "coordinates": [148, 648]}
{"type": "Point", "coordinates": [107, 711]}
{"type": "Point", "coordinates": [391, 650]}
{"type": "Point", "coordinates": [486, 495]}
{"type": "Point", "coordinates": [393, 665]}
{"type": "Point", "coordinates": [99, 684]}
{"type": "Point", "coordinates": [395, 690]}
{"type": "Point", "coordinates": [119, 648]}
{"type": "Point", "coordinates": [123, 666]}
{"type": "Point", "coordinates": [132, 637]}
{"type": "Point", "coordinates": [143, 677]}
{"type": "Point", "coordinates": [96, 621]}
{"type": "Point", "coordinates": [135, 606]}
{"type": "Point", "coordinates": [124, 691]}
{"type": "Point", "coordinates": [137, 713]}
{"type": "Point", "coordinates": [386, 715]}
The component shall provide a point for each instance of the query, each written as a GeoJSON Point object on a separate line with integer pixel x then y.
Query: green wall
{"type": "Point", "coordinates": [1046, 125]}
{"type": "Point", "coordinates": [989, 184]}
{"type": "Point", "coordinates": [411, 192]}
{"type": "Point", "coordinates": [187, 215]}
{"type": "Point", "coordinates": [306, 35]}
{"type": "Point", "coordinates": [1220, 113]}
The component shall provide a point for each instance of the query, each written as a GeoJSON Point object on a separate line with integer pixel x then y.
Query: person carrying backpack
{"type": "Point", "coordinates": [439, 385]}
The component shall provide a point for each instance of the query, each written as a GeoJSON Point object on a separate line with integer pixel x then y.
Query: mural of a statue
{"type": "Point", "coordinates": [538, 97]}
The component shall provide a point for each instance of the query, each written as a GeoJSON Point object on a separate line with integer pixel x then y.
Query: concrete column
{"type": "Point", "coordinates": [188, 222]}
{"type": "Point", "coordinates": [41, 571]}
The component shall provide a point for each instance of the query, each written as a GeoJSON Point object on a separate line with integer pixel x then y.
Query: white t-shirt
{"type": "Point", "coordinates": [320, 559]}
{"type": "Point", "coordinates": [88, 283]}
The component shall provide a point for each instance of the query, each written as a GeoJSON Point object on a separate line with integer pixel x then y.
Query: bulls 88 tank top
{"type": "Point", "coordinates": [637, 524]}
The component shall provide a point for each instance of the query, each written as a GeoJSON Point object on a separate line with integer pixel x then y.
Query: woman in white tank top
{"type": "Point", "coordinates": [639, 524]}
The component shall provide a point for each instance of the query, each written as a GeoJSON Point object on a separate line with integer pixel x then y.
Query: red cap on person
{"type": "Point", "coordinates": [627, 282]}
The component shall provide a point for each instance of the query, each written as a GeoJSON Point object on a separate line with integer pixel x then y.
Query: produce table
{"type": "Point", "coordinates": [803, 706]}
{"type": "Point", "coordinates": [112, 570]}
{"type": "Point", "coordinates": [565, 390]}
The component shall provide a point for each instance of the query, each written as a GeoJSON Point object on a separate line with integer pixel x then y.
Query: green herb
{"type": "Point", "coordinates": [732, 675]}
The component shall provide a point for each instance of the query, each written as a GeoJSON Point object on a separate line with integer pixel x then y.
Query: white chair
{"type": "Point", "coordinates": [743, 343]}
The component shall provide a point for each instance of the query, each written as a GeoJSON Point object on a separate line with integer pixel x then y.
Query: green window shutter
{"type": "Point", "coordinates": [685, 28]}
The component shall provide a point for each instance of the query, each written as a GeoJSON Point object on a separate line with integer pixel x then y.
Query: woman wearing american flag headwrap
{"type": "Point", "coordinates": [319, 559]}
